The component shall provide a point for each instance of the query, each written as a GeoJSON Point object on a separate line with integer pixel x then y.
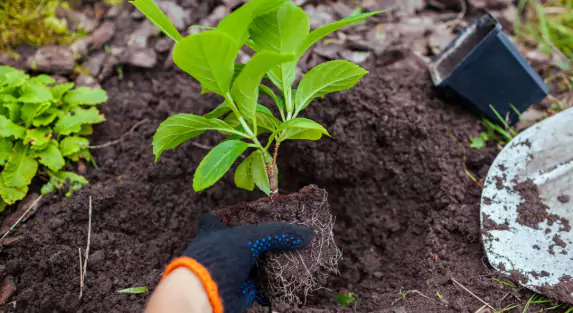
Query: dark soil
{"type": "Point", "coordinates": [283, 277]}
{"type": "Point", "coordinates": [407, 216]}
{"type": "Point", "coordinates": [532, 210]}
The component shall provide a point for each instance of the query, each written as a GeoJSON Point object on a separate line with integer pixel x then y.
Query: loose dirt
{"type": "Point", "coordinates": [407, 216]}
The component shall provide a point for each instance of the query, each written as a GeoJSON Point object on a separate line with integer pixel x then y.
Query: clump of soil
{"type": "Point", "coordinates": [290, 276]}
{"type": "Point", "coordinates": [563, 198]}
{"type": "Point", "coordinates": [532, 210]}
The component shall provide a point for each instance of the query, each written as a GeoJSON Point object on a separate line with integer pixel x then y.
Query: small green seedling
{"type": "Point", "coordinates": [279, 32]}
{"type": "Point", "coordinates": [134, 290]}
{"type": "Point", "coordinates": [347, 300]}
{"type": "Point", "coordinates": [495, 132]}
{"type": "Point", "coordinates": [41, 129]}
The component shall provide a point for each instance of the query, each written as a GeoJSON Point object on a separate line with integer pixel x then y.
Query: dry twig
{"type": "Point", "coordinates": [471, 293]}
{"type": "Point", "coordinates": [23, 215]}
{"type": "Point", "coordinates": [81, 273]}
{"type": "Point", "coordinates": [85, 267]}
{"type": "Point", "coordinates": [120, 139]}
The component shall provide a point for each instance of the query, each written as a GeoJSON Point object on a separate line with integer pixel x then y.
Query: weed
{"type": "Point", "coordinates": [42, 129]}
{"type": "Point", "coordinates": [347, 300]}
{"type": "Point", "coordinates": [134, 290]}
{"type": "Point", "coordinates": [493, 132]}
{"type": "Point", "coordinates": [279, 32]}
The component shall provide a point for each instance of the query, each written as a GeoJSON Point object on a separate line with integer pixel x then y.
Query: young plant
{"type": "Point", "coordinates": [279, 32]}
{"type": "Point", "coordinates": [41, 129]}
{"type": "Point", "coordinates": [347, 300]}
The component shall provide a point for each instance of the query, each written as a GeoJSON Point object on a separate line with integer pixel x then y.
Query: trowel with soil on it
{"type": "Point", "coordinates": [527, 200]}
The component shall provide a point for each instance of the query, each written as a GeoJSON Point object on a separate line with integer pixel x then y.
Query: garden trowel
{"type": "Point", "coordinates": [527, 208]}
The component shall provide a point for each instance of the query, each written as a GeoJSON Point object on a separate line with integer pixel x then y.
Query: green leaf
{"type": "Point", "coordinates": [301, 134]}
{"type": "Point", "coordinates": [263, 109]}
{"type": "Point", "coordinates": [243, 176]}
{"type": "Point", "coordinates": [47, 188]}
{"type": "Point", "coordinates": [85, 96]}
{"type": "Point", "coordinates": [4, 97]}
{"type": "Point", "coordinates": [82, 154]}
{"type": "Point", "coordinates": [134, 290]}
{"type": "Point", "coordinates": [179, 128]}
{"type": "Point", "coordinates": [51, 156]}
{"type": "Point", "coordinates": [67, 179]}
{"type": "Point", "coordinates": [201, 27]}
{"type": "Point", "coordinates": [477, 142]}
{"type": "Point", "coordinates": [326, 78]}
{"type": "Point", "coordinates": [347, 299]}
{"type": "Point", "coordinates": [279, 101]}
{"type": "Point", "coordinates": [2, 205]}
{"type": "Point", "coordinates": [42, 79]}
{"type": "Point", "coordinates": [14, 111]}
{"type": "Point", "coordinates": [45, 118]}
{"type": "Point", "coordinates": [9, 129]}
{"type": "Point", "coordinates": [302, 123]}
{"type": "Point", "coordinates": [208, 57]}
{"type": "Point", "coordinates": [60, 89]}
{"type": "Point", "coordinates": [245, 89]}
{"type": "Point", "coordinates": [323, 31]}
{"type": "Point", "coordinates": [217, 162]}
{"type": "Point", "coordinates": [157, 17]}
{"type": "Point", "coordinates": [73, 144]}
{"type": "Point", "coordinates": [267, 121]}
{"type": "Point", "coordinates": [72, 122]}
{"type": "Point", "coordinates": [38, 138]}
{"type": "Point", "coordinates": [32, 93]}
{"type": "Point", "coordinates": [237, 23]}
{"type": "Point", "coordinates": [31, 110]}
{"type": "Point", "coordinates": [20, 168]}
{"type": "Point", "coordinates": [259, 172]}
{"type": "Point", "coordinates": [281, 31]}
{"type": "Point", "coordinates": [12, 194]}
{"type": "Point", "coordinates": [5, 150]}
{"type": "Point", "coordinates": [86, 130]}
{"type": "Point", "coordinates": [11, 77]}
{"type": "Point", "coordinates": [219, 111]}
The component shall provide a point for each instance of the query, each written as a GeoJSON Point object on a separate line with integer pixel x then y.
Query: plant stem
{"type": "Point", "coordinates": [288, 102]}
{"type": "Point", "coordinates": [272, 171]}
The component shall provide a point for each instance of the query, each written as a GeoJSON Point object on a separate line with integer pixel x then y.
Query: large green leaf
{"type": "Point", "coordinates": [217, 162]}
{"type": "Point", "coordinates": [267, 121]}
{"type": "Point", "coordinates": [321, 32]}
{"type": "Point", "coordinates": [209, 57]}
{"type": "Point", "coordinates": [259, 172]}
{"type": "Point", "coordinates": [14, 111]}
{"type": "Point", "coordinates": [301, 134]}
{"type": "Point", "coordinates": [85, 96]}
{"type": "Point", "coordinates": [5, 150]}
{"type": "Point", "coordinates": [325, 78]}
{"type": "Point", "coordinates": [45, 118]}
{"type": "Point", "coordinates": [179, 128]}
{"type": "Point", "coordinates": [51, 156]}
{"type": "Point", "coordinates": [73, 144]}
{"type": "Point", "coordinates": [238, 22]}
{"type": "Point", "coordinates": [3, 205]}
{"type": "Point", "coordinates": [243, 176]}
{"type": "Point", "coordinates": [42, 79]}
{"type": "Point", "coordinates": [302, 123]}
{"type": "Point", "coordinates": [73, 121]}
{"type": "Point", "coordinates": [281, 31]}
{"type": "Point", "coordinates": [31, 110]}
{"type": "Point", "coordinates": [12, 194]}
{"type": "Point", "coordinates": [245, 89]}
{"type": "Point", "coordinates": [157, 17]}
{"type": "Point", "coordinates": [9, 129]}
{"type": "Point", "coordinates": [11, 77]}
{"type": "Point", "coordinates": [38, 138]}
{"type": "Point", "coordinates": [20, 169]}
{"type": "Point", "coordinates": [33, 93]}
{"type": "Point", "coordinates": [60, 89]}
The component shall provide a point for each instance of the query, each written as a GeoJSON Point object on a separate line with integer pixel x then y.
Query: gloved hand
{"type": "Point", "coordinates": [222, 258]}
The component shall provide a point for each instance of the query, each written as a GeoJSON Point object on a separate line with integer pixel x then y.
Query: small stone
{"type": "Point", "coordinates": [530, 117]}
{"type": "Point", "coordinates": [80, 47]}
{"type": "Point", "coordinates": [320, 15]}
{"type": "Point", "coordinates": [378, 274]}
{"type": "Point", "coordinates": [82, 21]}
{"type": "Point", "coordinates": [53, 59]}
{"type": "Point", "coordinates": [146, 58]}
{"type": "Point", "coordinates": [87, 81]}
{"type": "Point", "coordinates": [95, 62]}
{"type": "Point", "coordinates": [212, 20]}
{"type": "Point", "coordinates": [113, 11]}
{"type": "Point", "coordinates": [136, 14]}
{"type": "Point", "coordinates": [109, 64]}
{"type": "Point", "coordinates": [329, 51]}
{"type": "Point", "coordinates": [103, 34]}
{"type": "Point", "coordinates": [176, 14]}
{"type": "Point", "coordinates": [140, 36]}
{"type": "Point", "coordinates": [7, 288]}
{"type": "Point", "coordinates": [357, 57]}
{"type": "Point", "coordinates": [60, 79]}
{"type": "Point", "coordinates": [163, 44]}
{"type": "Point", "coordinates": [2, 271]}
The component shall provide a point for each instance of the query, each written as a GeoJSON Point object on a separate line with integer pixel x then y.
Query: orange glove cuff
{"type": "Point", "coordinates": [204, 276]}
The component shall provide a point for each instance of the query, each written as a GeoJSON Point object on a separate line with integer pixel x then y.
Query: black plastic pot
{"type": "Point", "coordinates": [482, 66]}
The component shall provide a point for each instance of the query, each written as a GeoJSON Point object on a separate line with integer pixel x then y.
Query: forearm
{"type": "Point", "coordinates": [179, 292]}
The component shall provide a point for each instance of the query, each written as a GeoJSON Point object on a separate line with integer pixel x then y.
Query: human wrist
{"type": "Point", "coordinates": [194, 293]}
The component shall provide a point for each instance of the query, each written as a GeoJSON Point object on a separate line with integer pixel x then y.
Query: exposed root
{"type": "Point", "coordinates": [290, 274]}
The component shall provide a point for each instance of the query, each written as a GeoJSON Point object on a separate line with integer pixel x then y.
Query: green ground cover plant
{"type": "Point", "coordinates": [279, 33]}
{"type": "Point", "coordinates": [33, 22]}
{"type": "Point", "coordinates": [42, 128]}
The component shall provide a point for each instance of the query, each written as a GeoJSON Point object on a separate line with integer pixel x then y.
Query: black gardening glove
{"type": "Point", "coordinates": [229, 254]}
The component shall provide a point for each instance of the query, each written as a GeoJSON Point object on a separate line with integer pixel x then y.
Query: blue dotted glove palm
{"type": "Point", "coordinates": [230, 253]}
